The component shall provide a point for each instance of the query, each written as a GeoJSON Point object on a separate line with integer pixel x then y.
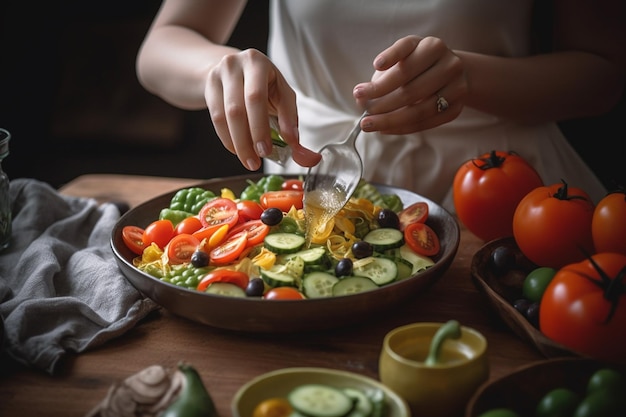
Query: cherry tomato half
{"type": "Point", "coordinates": [249, 210]}
{"type": "Point", "coordinates": [608, 225]}
{"type": "Point", "coordinates": [552, 225]}
{"type": "Point", "coordinates": [282, 200]}
{"type": "Point", "coordinates": [230, 249]}
{"type": "Point", "coordinates": [181, 247]}
{"type": "Point", "coordinates": [132, 236]}
{"type": "Point", "coordinates": [189, 225]}
{"type": "Point", "coordinates": [486, 191]}
{"type": "Point", "coordinates": [159, 232]}
{"type": "Point", "coordinates": [256, 229]}
{"type": "Point", "coordinates": [422, 239]}
{"type": "Point", "coordinates": [229, 276]}
{"type": "Point", "coordinates": [415, 213]}
{"type": "Point", "coordinates": [283, 293]}
{"type": "Point", "coordinates": [219, 211]}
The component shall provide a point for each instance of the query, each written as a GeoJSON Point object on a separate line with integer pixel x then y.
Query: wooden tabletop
{"type": "Point", "coordinates": [226, 360]}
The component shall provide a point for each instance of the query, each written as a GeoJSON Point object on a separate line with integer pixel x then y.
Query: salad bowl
{"type": "Point", "coordinates": [253, 314]}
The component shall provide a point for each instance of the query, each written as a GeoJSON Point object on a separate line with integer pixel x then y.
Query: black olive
{"type": "Point", "coordinates": [199, 259]}
{"type": "Point", "coordinates": [521, 305]}
{"type": "Point", "coordinates": [362, 249]}
{"type": "Point", "coordinates": [532, 314]}
{"type": "Point", "coordinates": [502, 260]}
{"type": "Point", "coordinates": [343, 267]}
{"type": "Point", "coordinates": [255, 288]}
{"type": "Point", "coordinates": [388, 218]}
{"type": "Point", "coordinates": [272, 216]}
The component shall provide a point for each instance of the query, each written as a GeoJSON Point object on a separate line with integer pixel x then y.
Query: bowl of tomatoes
{"type": "Point", "coordinates": [259, 273]}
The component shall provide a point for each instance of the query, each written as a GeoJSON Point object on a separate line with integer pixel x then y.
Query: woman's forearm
{"type": "Point", "coordinates": [558, 86]}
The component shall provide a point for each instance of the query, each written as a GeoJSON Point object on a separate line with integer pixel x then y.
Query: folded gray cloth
{"type": "Point", "coordinates": [60, 287]}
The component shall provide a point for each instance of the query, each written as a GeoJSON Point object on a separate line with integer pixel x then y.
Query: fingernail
{"type": "Point", "coordinates": [379, 62]}
{"type": "Point", "coordinates": [262, 149]}
{"type": "Point", "coordinates": [252, 164]}
{"type": "Point", "coordinates": [358, 92]}
{"type": "Point", "coordinates": [367, 124]}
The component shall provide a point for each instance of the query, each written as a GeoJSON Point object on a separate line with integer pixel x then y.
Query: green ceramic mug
{"type": "Point", "coordinates": [434, 387]}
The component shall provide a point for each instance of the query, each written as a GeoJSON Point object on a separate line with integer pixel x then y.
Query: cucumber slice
{"type": "Point", "coordinates": [311, 256]}
{"type": "Point", "coordinates": [363, 405]}
{"type": "Point", "coordinates": [405, 268]}
{"type": "Point", "coordinates": [281, 243]}
{"type": "Point", "coordinates": [384, 239]}
{"type": "Point", "coordinates": [226, 289]}
{"type": "Point", "coordinates": [380, 270]}
{"type": "Point", "coordinates": [353, 285]}
{"type": "Point", "coordinates": [318, 284]}
{"type": "Point", "coordinates": [419, 262]}
{"type": "Point", "coordinates": [278, 277]}
{"type": "Point", "coordinates": [318, 400]}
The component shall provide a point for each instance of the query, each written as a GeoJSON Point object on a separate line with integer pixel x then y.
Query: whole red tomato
{"type": "Point", "coordinates": [584, 307]}
{"type": "Point", "coordinates": [486, 191]}
{"type": "Point", "coordinates": [552, 225]}
{"type": "Point", "coordinates": [608, 226]}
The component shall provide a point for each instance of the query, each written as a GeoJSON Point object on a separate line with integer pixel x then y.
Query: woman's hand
{"type": "Point", "coordinates": [419, 83]}
{"type": "Point", "coordinates": [241, 93]}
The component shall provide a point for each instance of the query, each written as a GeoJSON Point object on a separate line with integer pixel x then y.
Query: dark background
{"type": "Point", "coordinates": [71, 100]}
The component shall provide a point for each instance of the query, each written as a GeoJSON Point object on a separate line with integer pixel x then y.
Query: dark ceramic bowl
{"type": "Point", "coordinates": [258, 315]}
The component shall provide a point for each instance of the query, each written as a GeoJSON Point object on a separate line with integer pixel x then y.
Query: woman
{"type": "Point", "coordinates": [443, 81]}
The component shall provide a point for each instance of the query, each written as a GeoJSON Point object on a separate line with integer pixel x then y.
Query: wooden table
{"type": "Point", "coordinates": [227, 360]}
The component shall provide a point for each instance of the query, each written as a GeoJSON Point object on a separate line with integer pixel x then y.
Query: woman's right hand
{"type": "Point", "coordinates": [242, 91]}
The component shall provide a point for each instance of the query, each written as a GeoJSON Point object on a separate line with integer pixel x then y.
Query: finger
{"type": "Point", "coordinates": [396, 52]}
{"type": "Point", "coordinates": [214, 97]}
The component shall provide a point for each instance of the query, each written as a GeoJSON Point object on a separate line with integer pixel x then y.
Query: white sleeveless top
{"type": "Point", "coordinates": [325, 47]}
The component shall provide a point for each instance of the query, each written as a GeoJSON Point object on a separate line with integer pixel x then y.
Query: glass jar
{"type": "Point", "coordinates": [5, 200]}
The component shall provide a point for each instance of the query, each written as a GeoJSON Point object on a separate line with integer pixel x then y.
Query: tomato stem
{"type": "Point", "coordinates": [613, 288]}
{"type": "Point", "coordinates": [562, 193]}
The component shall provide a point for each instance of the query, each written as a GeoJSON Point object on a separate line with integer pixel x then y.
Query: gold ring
{"type": "Point", "coordinates": [442, 104]}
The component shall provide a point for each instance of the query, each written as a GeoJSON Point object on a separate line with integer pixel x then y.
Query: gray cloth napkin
{"type": "Point", "coordinates": [60, 287]}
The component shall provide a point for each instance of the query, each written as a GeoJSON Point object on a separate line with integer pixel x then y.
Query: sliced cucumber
{"type": "Point", "coordinates": [384, 239]}
{"type": "Point", "coordinates": [318, 400]}
{"type": "Point", "coordinates": [281, 243]}
{"type": "Point", "coordinates": [277, 276]}
{"type": "Point", "coordinates": [318, 284]}
{"type": "Point", "coordinates": [363, 405]}
{"type": "Point", "coordinates": [353, 285]}
{"type": "Point", "coordinates": [380, 270]}
{"type": "Point", "coordinates": [312, 256]}
{"type": "Point", "coordinates": [226, 289]}
{"type": "Point", "coordinates": [405, 268]}
{"type": "Point", "coordinates": [419, 262]}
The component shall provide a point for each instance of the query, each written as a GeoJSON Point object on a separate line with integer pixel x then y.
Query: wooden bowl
{"type": "Point", "coordinates": [522, 390]}
{"type": "Point", "coordinates": [252, 314]}
{"type": "Point", "coordinates": [502, 289]}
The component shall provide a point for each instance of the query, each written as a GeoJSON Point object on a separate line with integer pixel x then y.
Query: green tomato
{"type": "Point", "coordinates": [606, 378]}
{"type": "Point", "coordinates": [559, 402]}
{"type": "Point", "coordinates": [536, 282]}
{"type": "Point", "coordinates": [500, 412]}
{"type": "Point", "coordinates": [601, 403]}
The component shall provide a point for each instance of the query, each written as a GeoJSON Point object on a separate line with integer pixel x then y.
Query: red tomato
{"type": "Point", "coordinates": [583, 309]}
{"type": "Point", "coordinates": [608, 225]}
{"type": "Point", "coordinates": [415, 213]}
{"type": "Point", "coordinates": [282, 200]}
{"type": "Point", "coordinates": [230, 250]}
{"type": "Point", "coordinates": [181, 247]}
{"type": "Point", "coordinates": [486, 192]}
{"type": "Point", "coordinates": [283, 293]}
{"type": "Point", "coordinates": [219, 211]}
{"type": "Point", "coordinates": [552, 225]}
{"type": "Point", "coordinates": [133, 239]}
{"type": "Point", "coordinates": [159, 232]}
{"type": "Point", "coordinates": [230, 276]}
{"type": "Point", "coordinates": [249, 210]}
{"type": "Point", "coordinates": [422, 239]}
{"type": "Point", "coordinates": [293, 184]}
{"type": "Point", "coordinates": [189, 225]}
{"type": "Point", "coordinates": [256, 229]}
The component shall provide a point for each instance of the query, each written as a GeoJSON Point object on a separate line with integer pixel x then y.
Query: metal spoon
{"type": "Point", "coordinates": [329, 185]}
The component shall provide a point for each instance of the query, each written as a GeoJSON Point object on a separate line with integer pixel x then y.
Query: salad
{"type": "Point", "coordinates": [256, 244]}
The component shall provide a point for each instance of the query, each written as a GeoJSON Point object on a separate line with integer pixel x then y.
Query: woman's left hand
{"type": "Point", "coordinates": [418, 84]}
